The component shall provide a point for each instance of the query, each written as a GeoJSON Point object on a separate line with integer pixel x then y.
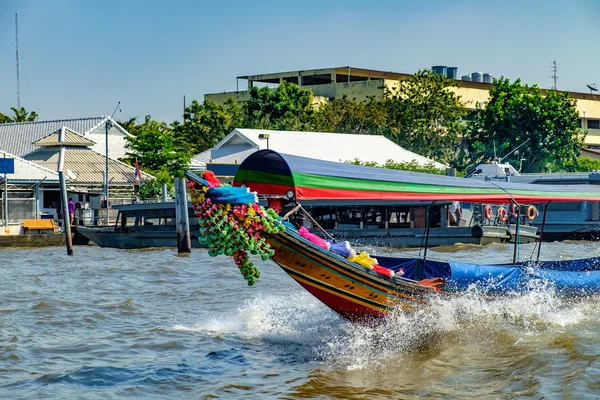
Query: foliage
{"type": "Point", "coordinates": [424, 115]}
{"type": "Point", "coordinates": [205, 124]}
{"type": "Point", "coordinates": [152, 189]}
{"type": "Point", "coordinates": [583, 164]}
{"type": "Point", "coordinates": [156, 150]}
{"type": "Point", "coordinates": [414, 166]}
{"type": "Point", "coordinates": [130, 125]}
{"type": "Point", "coordinates": [516, 114]}
{"type": "Point", "coordinates": [21, 115]}
{"type": "Point", "coordinates": [344, 116]}
{"type": "Point", "coordinates": [287, 107]}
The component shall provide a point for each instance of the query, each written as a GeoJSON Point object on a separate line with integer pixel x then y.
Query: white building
{"type": "Point", "coordinates": [224, 158]}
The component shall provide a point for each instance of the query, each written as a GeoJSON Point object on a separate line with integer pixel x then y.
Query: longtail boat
{"type": "Point", "coordinates": [235, 225]}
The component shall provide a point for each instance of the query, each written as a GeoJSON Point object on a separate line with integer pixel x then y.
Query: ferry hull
{"type": "Point", "coordinates": [353, 292]}
{"type": "Point", "coordinates": [107, 237]}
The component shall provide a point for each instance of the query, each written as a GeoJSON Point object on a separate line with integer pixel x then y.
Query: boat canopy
{"type": "Point", "coordinates": [282, 175]}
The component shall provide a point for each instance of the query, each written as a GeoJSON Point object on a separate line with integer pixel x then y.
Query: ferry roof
{"type": "Point", "coordinates": [273, 174]}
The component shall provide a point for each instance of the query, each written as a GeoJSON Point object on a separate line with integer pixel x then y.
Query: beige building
{"type": "Point", "coordinates": [358, 84]}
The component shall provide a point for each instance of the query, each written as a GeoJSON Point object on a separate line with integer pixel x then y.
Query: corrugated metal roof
{"type": "Point", "coordinates": [231, 154]}
{"type": "Point", "coordinates": [84, 165]}
{"type": "Point", "coordinates": [337, 147]}
{"type": "Point", "coordinates": [69, 137]}
{"type": "Point", "coordinates": [17, 138]}
{"type": "Point", "coordinates": [28, 171]}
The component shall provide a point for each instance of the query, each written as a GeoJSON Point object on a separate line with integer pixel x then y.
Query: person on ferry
{"type": "Point", "coordinates": [454, 213]}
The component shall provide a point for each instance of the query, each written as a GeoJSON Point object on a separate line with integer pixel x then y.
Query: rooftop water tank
{"type": "Point", "coordinates": [439, 69]}
{"type": "Point", "coordinates": [488, 78]}
{"type": "Point", "coordinates": [451, 72]}
{"type": "Point", "coordinates": [466, 78]}
{"type": "Point", "coordinates": [477, 77]}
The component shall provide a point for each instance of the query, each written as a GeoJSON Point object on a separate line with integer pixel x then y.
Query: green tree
{"type": "Point", "coordinates": [344, 116]}
{"type": "Point", "coordinates": [424, 115]}
{"type": "Point", "coordinates": [583, 164]}
{"type": "Point", "coordinates": [413, 166]}
{"type": "Point", "coordinates": [545, 125]}
{"type": "Point", "coordinates": [205, 124]}
{"type": "Point", "coordinates": [156, 150]}
{"type": "Point", "coordinates": [287, 107]}
{"type": "Point", "coordinates": [21, 115]}
{"type": "Point", "coordinates": [152, 189]}
{"type": "Point", "coordinates": [130, 125]}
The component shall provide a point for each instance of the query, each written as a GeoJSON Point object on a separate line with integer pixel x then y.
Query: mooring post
{"type": "Point", "coordinates": [184, 245]}
{"type": "Point", "coordinates": [65, 212]}
{"type": "Point", "coordinates": [63, 194]}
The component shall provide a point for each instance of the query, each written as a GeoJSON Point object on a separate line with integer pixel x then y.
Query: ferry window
{"type": "Point", "coordinates": [159, 221]}
{"type": "Point", "coordinates": [373, 217]}
{"type": "Point", "coordinates": [563, 206]}
{"type": "Point", "coordinates": [593, 124]}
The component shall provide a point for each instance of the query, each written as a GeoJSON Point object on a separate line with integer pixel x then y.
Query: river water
{"type": "Point", "coordinates": [115, 324]}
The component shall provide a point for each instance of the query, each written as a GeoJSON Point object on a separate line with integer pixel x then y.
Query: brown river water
{"type": "Point", "coordinates": [114, 324]}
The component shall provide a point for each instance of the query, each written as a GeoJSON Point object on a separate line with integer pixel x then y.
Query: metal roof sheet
{"type": "Point", "coordinates": [337, 147]}
{"type": "Point", "coordinates": [68, 137]}
{"type": "Point", "coordinates": [28, 171]}
{"type": "Point", "coordinates": [84, 165]}
{"type": "Point", "coordinates": [18, 138]}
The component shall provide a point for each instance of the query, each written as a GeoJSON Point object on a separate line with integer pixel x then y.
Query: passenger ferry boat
{"type": "Point", "coordinates": [576, 220]}
{"type": "Point", "coordinates": [404, 224]}
{"type": "Point", "coordinates": [142, 225]}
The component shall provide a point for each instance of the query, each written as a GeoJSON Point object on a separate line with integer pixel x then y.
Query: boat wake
{"type": "Point", "coordinates": [465, 321]}
{"type": "Point", "coordinates": [317, 335]}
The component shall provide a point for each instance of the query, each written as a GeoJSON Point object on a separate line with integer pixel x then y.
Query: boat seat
{"type": "Point", "coordinates": [39, 225]}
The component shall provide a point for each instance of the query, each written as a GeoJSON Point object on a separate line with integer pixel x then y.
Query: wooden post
{"type": "Point", "coordinates": [63, 196]}
{"type": "Point", "coordinates": [65, 212]}
{"type": "Point", "coordinates": [184, 244]}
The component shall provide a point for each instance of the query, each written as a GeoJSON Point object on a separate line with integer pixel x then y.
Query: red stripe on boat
{"type": "Point", "coordinates": [346, 308]}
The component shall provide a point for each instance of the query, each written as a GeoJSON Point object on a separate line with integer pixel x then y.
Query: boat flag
{"type": "Point", "coordinates": [138, 174]}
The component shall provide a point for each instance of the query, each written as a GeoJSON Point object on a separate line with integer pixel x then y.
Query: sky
{"type": "Point", "coordinates": [80, 58]}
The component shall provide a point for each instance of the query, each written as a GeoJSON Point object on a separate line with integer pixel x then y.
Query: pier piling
{"type": "Point", "coordinates": [184, 244]}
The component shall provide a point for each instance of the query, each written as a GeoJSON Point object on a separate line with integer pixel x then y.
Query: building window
{"type": "Point", "coordinates": [51, 199]}
{"type": "Point", "coordinates": [579, 123]}
{"type": "Point", "coordinates": [593, 124]}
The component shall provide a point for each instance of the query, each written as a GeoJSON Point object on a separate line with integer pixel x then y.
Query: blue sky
{"type": "Point", "coordinates": [79, 58]}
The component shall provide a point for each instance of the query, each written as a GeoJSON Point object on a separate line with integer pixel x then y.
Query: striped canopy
{"type": "Point", "coordinates": [273, 174]}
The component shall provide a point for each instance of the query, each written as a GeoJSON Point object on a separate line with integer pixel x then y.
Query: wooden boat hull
{"type": "Point", "coordinates": [108, 237]}
{"type": "Point", "coordinates": [350, 290]}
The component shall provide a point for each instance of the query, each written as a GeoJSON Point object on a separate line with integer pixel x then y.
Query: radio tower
{"type": "Point", "coordinates": [17, 56]}
{"type": "Point", "coordinates": [554, 76]}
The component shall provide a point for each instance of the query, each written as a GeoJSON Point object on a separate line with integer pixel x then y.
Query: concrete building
{"type": "Point", "coordinates": [85, 168]}
{"type": "Point", "coordinates": [358, 84]}
{"type": "Point", "coordinates": [23, 196]}
{"type": "Point", "coordinates": [33, 189]}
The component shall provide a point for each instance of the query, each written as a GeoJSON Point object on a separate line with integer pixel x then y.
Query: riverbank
{"type": "Point", "coordinates": [40, 239]}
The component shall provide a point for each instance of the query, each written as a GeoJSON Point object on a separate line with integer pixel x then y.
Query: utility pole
{"type": "Point", "coordinates": [17, 57]}
{"type": "Point", "coordinates": [554, 76]}
{"type": "Point", "coordinates": [107, 125]}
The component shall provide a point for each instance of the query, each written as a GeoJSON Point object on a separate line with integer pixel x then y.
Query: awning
{"type": "Point", "coordinates": [273, 174]}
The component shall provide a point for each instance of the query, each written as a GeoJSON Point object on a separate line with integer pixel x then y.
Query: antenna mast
{"type": "Point", "coordinates": [17, 57]}
{"type": "Point", "coordinates": [554, 76]}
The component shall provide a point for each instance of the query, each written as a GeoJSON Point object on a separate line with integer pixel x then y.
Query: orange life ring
{"type": "Point", "coordinates": [513, 210]}
{"type": "Point", "coordinates": [532, 212]}
{"type": "Point", "coordinates": [487, 212]}
{"type": "Point", "coordinates": [502, 214]}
